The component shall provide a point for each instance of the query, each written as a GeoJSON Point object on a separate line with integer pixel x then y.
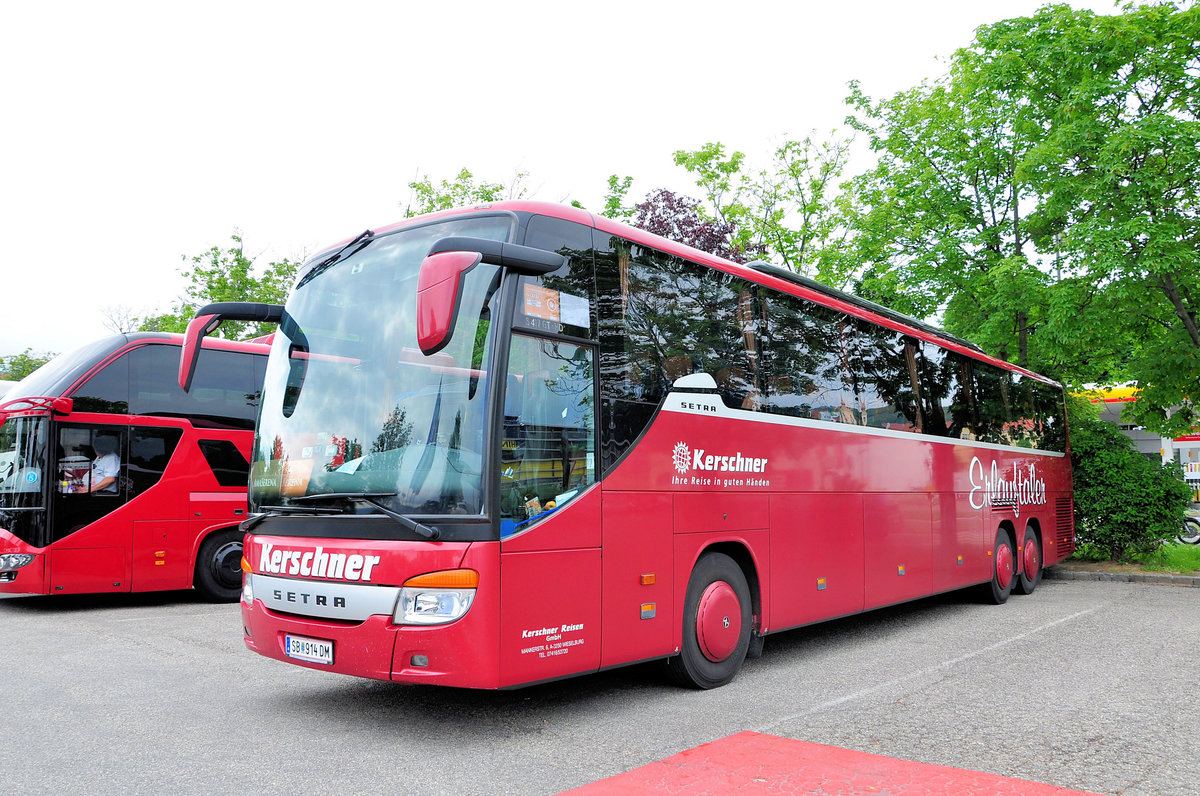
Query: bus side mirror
{"type": "Point", "coordinates": [438, 296]}
{"type": "Point", "coordinates": [207, 320]}
{"type": "Point", "coordinates": [439, 284]}
{"type": "Point", "coordinates": [197, 328]}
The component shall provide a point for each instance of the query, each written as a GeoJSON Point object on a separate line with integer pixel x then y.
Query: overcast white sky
{"type": "Point", "coordinates": [136, 133]}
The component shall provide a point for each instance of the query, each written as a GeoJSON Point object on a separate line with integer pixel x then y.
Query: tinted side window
{"type": "Point", "coordinates": [1038, 420]}
{"type": "Point", "coordinates": [106, 391]}
{"type": "Point", "coordinates": [805, 351]}
{"type": "Point", "coordinates": [1048, 402]}
{"type": "Point", "coordinates": [990, 393]}
{"type": "Point", "coordinates": [661, 318]}
{"type": "Point", "coordinates": [227, 462]}
{"type": "Point", "coordinates": [883, 372]}
{"type": "Point", "coordinates": [945, 392]}
{"type": "Point", "coordinates": [150, 449]}
{"type": "Point", "coordinates": [224, 391]}
{"type": "Point", "coordinates": [562, 302]}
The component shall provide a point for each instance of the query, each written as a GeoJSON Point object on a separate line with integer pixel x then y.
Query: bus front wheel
{"type": "Point", "coordinates": [219, 567]}
{"type": "Point", "coordinates": [716, 624]}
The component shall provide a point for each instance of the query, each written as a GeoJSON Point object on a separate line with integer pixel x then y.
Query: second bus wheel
{"type": "Point", "coordinates": [716, 624]}
{"type": "Point", "coordinates": [219, 566]}
{"type": "Point", "coordinates": [1030, 564]}
{"type": "Point", "coordinates": [1003, 569]}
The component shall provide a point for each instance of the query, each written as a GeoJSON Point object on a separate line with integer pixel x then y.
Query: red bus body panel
{"type": "Point", "coordinates": [836, 522]}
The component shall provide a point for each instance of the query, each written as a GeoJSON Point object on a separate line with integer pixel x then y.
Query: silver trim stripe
{"type": "Point", "coordinates": [352, 602]}
{"type": "Point", "coordinates": [677, 402]}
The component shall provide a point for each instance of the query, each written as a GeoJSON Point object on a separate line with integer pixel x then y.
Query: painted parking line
{"type": "Point", "coordinates": [752, 762]}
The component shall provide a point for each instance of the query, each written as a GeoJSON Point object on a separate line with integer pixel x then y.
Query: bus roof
{"type": "Point", "coordinates": [770, 276]}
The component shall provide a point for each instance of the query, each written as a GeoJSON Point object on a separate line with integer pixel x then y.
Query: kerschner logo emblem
{"type": "Point", "coordinates": [681, 455]}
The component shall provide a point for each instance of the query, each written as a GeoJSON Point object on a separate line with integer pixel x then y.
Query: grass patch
{"type": "Point", "coordinates": [1180, 558]}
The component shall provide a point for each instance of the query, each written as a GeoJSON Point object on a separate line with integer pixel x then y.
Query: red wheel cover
{"type": "Point", "coordinates": [1004, 565]}
{"type": "Point", "coordinates": [718, 621]}
{"type": "Point", "coordinates": [1031, 561]}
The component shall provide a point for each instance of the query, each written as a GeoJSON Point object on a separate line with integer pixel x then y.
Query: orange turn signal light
{"type": "Point", "coordinates": [246, 565]}
{"type": "Point", "coordinates": [446, 579]}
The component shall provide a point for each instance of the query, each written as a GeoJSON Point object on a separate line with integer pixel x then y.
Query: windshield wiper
{"type": "Point", "coordinates": [276, 511]}
{"type": "Point", "coordinates": [427, 531]}
{"type": "Point", "coordinates": [364, 237]}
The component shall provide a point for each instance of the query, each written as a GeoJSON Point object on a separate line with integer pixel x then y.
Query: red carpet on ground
{"type": "Point", "coordinates": [751, 762]}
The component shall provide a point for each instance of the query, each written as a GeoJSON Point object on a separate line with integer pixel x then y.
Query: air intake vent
{"type": "Point", "coordinates": [1064, 526]}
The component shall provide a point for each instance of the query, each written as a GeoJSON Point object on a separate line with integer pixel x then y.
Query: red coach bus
{"type": "Point", "coordinates": [112, 479]}
{"type": "Point", "coordinates": [520, 442]}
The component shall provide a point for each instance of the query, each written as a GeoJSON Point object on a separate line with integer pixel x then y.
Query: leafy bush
{"type": "Point", "coordinates": [1125, 504]}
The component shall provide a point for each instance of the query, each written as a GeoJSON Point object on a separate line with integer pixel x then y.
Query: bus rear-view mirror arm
{"type": "Point", "coordinates": [439, 285]}
{"type": "Point", "coordinates": [206, 321]}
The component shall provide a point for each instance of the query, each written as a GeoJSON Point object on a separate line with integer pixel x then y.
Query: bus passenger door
{"type": "Point", "coordinates": [549, 514]}
{"type": "Point", "coordinates": [91, 541]}
{"type": "Point", "coordinates": [162, 541]}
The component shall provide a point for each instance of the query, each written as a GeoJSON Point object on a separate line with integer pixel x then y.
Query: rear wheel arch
{"type": "Point", "coordinates": [745, 561]}
{"type": "Point", "coordinates": [217, 565]}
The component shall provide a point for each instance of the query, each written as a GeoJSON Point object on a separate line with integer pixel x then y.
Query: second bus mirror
{"type": "Point", "coordinates": [207, 320]}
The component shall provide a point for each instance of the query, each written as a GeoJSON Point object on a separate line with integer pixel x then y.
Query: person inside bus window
{"type": "Point", "coordinates": [105, 468]}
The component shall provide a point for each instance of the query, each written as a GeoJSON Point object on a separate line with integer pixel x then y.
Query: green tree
{"type": "Point", "coordinates": [226, 275]}
{"type": "Point", "coordinates": [789, 210]}
{"type": "Point", "coordinates": [18, 366]}
{"type": "Point", "coordinates": [614, 200]}
{"type": "Point", "coordinates": [462, 191]}
{"type": "Point", "coordinates": [1118, 178]}
{"type": "Point", "coordinates": [1049, 183]}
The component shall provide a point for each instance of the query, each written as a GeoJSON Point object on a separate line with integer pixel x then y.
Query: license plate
{"type": "Point", "coordinates": [308, 649]}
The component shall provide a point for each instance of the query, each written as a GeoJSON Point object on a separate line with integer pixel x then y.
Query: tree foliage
{"type": "Point", "coordinates": [614, 200]}
{"type": "Point", "coordinates": [18, 366]}
{"type": "Point", "coordinates": [226, 275]}
{"type": "Point", "coordinates": [789, 211]}
{"type": "Point", "coordinates": [1049, 184]}
{"type": "Point", "coordinates": [462, 191]}
{"type": "Point", "coordinates": [680, 219]}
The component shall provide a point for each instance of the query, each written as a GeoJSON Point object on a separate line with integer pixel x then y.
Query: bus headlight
{"type": "Point", "coordinates": [15, 560]}
{"type": "Point", "coordinates": [436, 598]}
{"type": "Point", "coordinates": [247, 590]}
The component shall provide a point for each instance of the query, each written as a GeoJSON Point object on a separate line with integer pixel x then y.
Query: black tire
{"type": "Point", "coordinates": [713, 660]}
{"type": "Point", "coordinates": [1191, 531]}
{"type": "Point", "coordinates": [1025, 584]}
{"type": "Point", "coordinates": [219, 567]}
{"type": "Point", "coordinates": [756, 646]}
{"type": "Point", "coordinates": [1002, 556]}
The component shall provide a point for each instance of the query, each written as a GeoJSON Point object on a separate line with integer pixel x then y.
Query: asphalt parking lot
{"type": "Point", "coordinates": [1088, 685]}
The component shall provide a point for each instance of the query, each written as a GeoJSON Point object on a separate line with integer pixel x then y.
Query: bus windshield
{"type": "Point", "coordinates": [351, 405]}
{"type": "Point", "coordinates": [22, 476]}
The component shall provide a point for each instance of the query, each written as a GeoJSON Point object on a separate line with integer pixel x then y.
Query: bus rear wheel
{"type": "Point", "coordinates": [716, 624]}
{"type": "Point", "coordinates": [1030, 564]}
{"type": "Point", "coordinates": [219, 567]}
{"type": "Point", "coordinates": [1003, 568]}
